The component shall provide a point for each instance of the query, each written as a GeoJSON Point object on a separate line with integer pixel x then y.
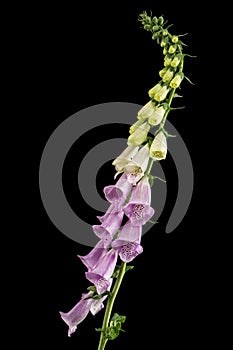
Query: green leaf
{"type": "Point", "coordinates": [129, 267]}
{"type": "Point", "coordinates": [118, 318]}
{"type": "Point", "coordinates": [114, 328]}
{"type": "Point", "coordinates": [92, 288]}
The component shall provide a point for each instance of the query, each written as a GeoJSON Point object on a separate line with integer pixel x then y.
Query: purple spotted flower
{"type": "Point", "coordinates": [119, 191]}
{"type": "Point", "coordinates": [80, 311]}
{"type": "Point", "coordinates": [138, 209]}
{"type": "Point", "coordinates": [101, 274]}
{"type": "Point", "coordinates": [128, 242]}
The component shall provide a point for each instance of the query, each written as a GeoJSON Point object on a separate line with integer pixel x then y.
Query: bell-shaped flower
{"type": "Point", "coordinates": [154, 90]}
{"type": "Point", "coordinates": [138, 208]}
{"type": "Point", "coordinates": [146, 111]}
{"type": "Point", "coordinates": [175, 39]}
{"type": "Point", "coordinates": [157, 116]}
{"type": "Point", "coordinates": [128, 242]}
{"type": "Point", "coordinates": [176, 81]}
{"type": "Point", "coordinates": [119, 191]}
{"type": "Point", "coordinates": [80, 311]}
{"type": "Point", "coordinates": [167, 61]}
{"type": "Point", "coordinates": [135, 126]}
{"type": "Point", "coordinates": [161, 94]}
{"type": "Point", "coordinates": [123, 159]}
{"type": "Point", "coordinates": [162, 72]}
{"type": "Point", "coordinates": [168, 75]}
{"type": "Point", "coordinates": [176, 61]}
{"type": "Point", "coordinates": [109, 226]}
{"type": "Point", "coordinates": [91, 259]}
{"type": "Point", "coordinates": [158, 148]}
{"type": "Point", "coordinates": [100, 276]}
{"type": "Point", "coordinates": [137, 167]}
{"type": "Point", "coordinates": [172, 49]}
{"type": "Point", "coordinates": [139, 135]}
{"type": "Point", "coordinates": [113, 208]}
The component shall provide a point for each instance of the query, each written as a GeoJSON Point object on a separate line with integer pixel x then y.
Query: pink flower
{"type": "Point", "coordinates": [138, 209]}
{"type": "Point", "coordinates": [128, 242]}
{"type": "Point", "coordinates": [80, 311]}
{"type": "Point", "coordinates": [119, 191]}
{"type": "Point", "coordinates": [101, 274]}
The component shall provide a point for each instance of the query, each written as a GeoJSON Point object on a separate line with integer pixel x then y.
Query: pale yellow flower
{"type": "Point", "coordinates": [154, 90]}
{"type": "Point", "coordinates": [176, 81]}
{"type": "Point", "coordinates": [139, 135]}
{"type": "Point", "coordinates": [161, 94]}
{"type": "Point", "coordinates": [146, 111]}
{"type": "Point", "coordinates": [157, 116]}
{"type": "Point", "coordinates": [158, 149]}
{"type": "Point", "coordinates": [168, 75]}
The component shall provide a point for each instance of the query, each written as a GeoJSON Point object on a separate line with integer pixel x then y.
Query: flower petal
{"type": "Point", "coordinates": [77, 314]}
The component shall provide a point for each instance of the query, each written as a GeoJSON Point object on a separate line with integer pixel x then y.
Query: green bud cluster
{"type": "Point", "coordinates": [171, 74]}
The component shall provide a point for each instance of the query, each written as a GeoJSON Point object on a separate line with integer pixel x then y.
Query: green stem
{"type": "Point", "coordinates": [103, 340]}
{"type": "Point", "coordinates": [149, 167]}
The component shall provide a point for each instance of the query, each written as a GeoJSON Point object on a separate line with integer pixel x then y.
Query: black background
{"type": "Point", "coordinates": [89, 54]}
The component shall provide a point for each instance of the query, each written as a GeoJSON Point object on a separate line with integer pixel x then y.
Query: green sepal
{"type": "Point", "coordinates": [189, 80]}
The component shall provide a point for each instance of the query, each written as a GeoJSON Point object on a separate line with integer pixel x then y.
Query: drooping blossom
{"type": "Point", "coordinates": [110, 224]}
{"type": "Point", "coordinates": [92, 258]}
{"type": "Point", "coordinates": [100, 276]}
{"type": "Point", "coordinates": [118, 193]}
{"type": "Point", "coordinates": [176, 81]}
{"type": "Point", "coordinates": [146, 111]}
{"type": "Point", "coordinates": [139, 135]}
{"type": "Point", "coordinates": [128, 242]}
{"type": "Point", "coordinates": [135, 126]}
{"type": "Point", "coordinates": [161, 94]}
{"type": "Point", "coordinates": [157, 116]}
{"type": "Point", "coordinates": [124, 158]}
{"type": "Point", "coordinates": [138, 208]}
{"type": "Point", "coordinates": [154, 90]}
{"type": "Point", "coordinates": [80, 311]}
{"type": "Point", "coordinates": [168, 75]}
{"type": "Point", "coordinates": [137, 166]}
{"type": "Point", "coordinates": [158, 148]}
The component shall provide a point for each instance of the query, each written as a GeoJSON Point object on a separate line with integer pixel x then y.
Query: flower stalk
{"type": "Point", "coordinates": [130, 196]}
{"type": "Point", "coordinates": [103, 339]}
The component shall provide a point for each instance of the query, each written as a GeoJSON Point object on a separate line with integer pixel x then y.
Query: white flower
{"type": "Point", "coordinates": [124, 158]}
{"type": "Point", "coordinates": [157, 116]}
{"type": "Point", "coordinates": [146, 111]}
{"type": "Point", "coordinates": [136, 168]}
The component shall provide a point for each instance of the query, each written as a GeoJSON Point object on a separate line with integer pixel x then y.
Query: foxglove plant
{"type": "Point", "coordinates": [130, 196]}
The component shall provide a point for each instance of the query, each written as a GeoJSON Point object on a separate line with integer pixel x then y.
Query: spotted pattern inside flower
{"type": "Point", "coordinates": [158, 154]}
{"type": "Point", "coordinates": [136, 172]}
{"type": "Point", "coordinates": [138, 211]}
{"type": "Point", "coordinates": [100, 283]}
{"type": "Point", "coordinates": [128, 250]}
